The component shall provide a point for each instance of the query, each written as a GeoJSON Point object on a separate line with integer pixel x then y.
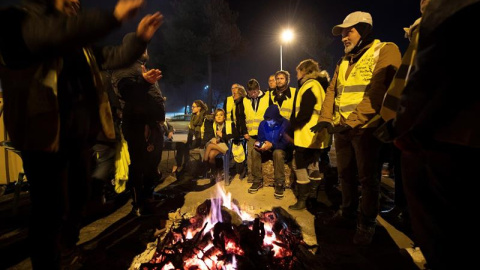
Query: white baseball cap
{"type": "Point", "coordinates": [351, 20]}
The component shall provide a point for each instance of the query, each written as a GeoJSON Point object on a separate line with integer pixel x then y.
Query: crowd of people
{"type": "Point", "coordinates": [65, 99]}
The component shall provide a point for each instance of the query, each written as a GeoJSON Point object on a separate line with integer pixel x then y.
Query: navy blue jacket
{"type": "Point", "coordinates": [278, 133]}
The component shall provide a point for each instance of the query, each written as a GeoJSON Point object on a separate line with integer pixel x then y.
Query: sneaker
{"type": "Point", "coordinates": [315, 175]}
{"type": "Point", "coordinates": [279, 190]}
{"type": "Point", "coordinates": [363, 236]}
{"type": "Point", "coordinates": [255, 187]}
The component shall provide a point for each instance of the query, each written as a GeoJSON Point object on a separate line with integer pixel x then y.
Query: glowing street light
{"type": "Point", "coordinates": [286, 37]}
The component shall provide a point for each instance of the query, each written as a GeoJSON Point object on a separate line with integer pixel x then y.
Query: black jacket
{"type": "Point", "coordinates": [144, 103]}
{"type": "Point", "coordinates": [209, 133]}
{"type": "Point", "coordinates": [239, 128]}
{"type": "Point", "coordinates": [35, 41]}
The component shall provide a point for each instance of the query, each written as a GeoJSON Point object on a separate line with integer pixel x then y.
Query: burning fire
{"type": "Point", "coordinates": [221, 236]}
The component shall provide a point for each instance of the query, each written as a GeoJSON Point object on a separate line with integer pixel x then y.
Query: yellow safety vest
{"type": "Point", "coordinates": [253, 118]}
{"type": "Point", "coordinates": [350, 91]}
{"type": "Point", "coordinates": [230, 109]}
{"type": "Point", "coordinates": [392, 97]}
{"type": "Point", "coordinates": [304, 137]}
{"type": "Point", "coordinates": [214, 126]}
{"type": "Point", "coordinates": [202, 128]}
{"type": "Point", "coordinates": [287, 105]}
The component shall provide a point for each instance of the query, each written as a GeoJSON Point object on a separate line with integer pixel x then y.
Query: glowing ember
{"type": "Point", "coordinates": [221, 236]}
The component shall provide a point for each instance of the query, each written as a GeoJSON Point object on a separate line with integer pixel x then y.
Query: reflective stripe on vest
{"type": "Point", "coordinates": [287, 105]}
{"type": "Point", "coordinates": [253, 118]}
{"type": "Point", "coordinates": [303, 137]}
{"type": "Point", "coordinates": [392, 97]}
{"type": "Point", "coordinates": [350, 91]}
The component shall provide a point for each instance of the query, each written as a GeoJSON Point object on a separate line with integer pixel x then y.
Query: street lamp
{"type": "Point", "coordinates": [286, 36]}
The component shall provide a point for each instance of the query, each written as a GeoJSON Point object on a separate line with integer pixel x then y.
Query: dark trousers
{"type": "Point", "coordinates": [104, 161]}
{"type": "Point", "coordinates": [104, 169]}
{"type": "Point", "coordinates": [305, 157]}
{"type": "Point", "coordinates": [143, 169]}
{"type": "Point", "coordinates": [182, 153]}
{"type": "Point", "coordinates": [357, 162]}
{"type": "Point", "coordinates": [191, 142]}
{"type": "Point", "coordinates": [400, 200]}
{"type": "Point", "coordinates": [58, 192]}
{"type": "Point", "coordinates": [278, 157]}
{"type": "Point", "coordinates": [441, 202]}
{"type": "Point", "coordinates": [324, 163]}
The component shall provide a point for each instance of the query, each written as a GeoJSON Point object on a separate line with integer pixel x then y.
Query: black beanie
{"type": "Point", "coordinates": [366, 33]}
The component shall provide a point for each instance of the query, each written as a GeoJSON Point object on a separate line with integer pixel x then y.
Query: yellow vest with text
{"type": "Point", "coordinates": [304, 137]}
{"type": "Point", "coordinates": [253, 118]}
{"type": "Point", "coordinates": [287, 105]}
{"type": "Point", "coordinates": [350, 91]}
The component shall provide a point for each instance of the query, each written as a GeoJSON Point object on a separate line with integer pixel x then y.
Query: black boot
{"type": "Point", "coordinates": [314, 184]}
{"type": "Point", "coordinates": [312, 195]}
{"type": "Point", "coordinates": [322, 195]}
{"type": "Point", "coordinates": [279, 191]}
{"type": "Point", "coordinates": [303, 191]}
{"type": "Point", "coordinates": [241, 170]}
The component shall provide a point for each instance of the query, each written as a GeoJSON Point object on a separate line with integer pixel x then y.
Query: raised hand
{"type": "Point", "coordinates": [149, 25]}
{"type": "Point", "coordinates": [152, 75]}
{"type": "Point", "coordinates": [126, 9]}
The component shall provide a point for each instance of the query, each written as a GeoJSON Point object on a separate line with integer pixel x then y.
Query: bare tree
{"type": "Point", "coordinates": [196, 37]}
{"type": "Point", "coordinates": [315, 43]}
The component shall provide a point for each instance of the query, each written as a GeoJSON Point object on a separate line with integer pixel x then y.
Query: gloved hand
{"type": "Point", "coordinates": [339, 129]}
{"type": "Point", "coordinates": [386, 132]}
{"type": "Point", "coordinates": [320, 126]}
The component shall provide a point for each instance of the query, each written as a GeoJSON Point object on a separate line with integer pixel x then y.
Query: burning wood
{"type": "Point", "coordinates": [220, 236]}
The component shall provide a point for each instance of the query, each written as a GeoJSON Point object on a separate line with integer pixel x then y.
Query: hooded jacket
{"type": "Point", "coordinates": [278, 134]}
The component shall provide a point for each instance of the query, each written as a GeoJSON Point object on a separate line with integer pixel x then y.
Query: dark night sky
{"type": "Point", "coordinates": [261, 21]}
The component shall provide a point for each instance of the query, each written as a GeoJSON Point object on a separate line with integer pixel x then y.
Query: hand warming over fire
{"type": "Point", "coordinates": [152, 75]}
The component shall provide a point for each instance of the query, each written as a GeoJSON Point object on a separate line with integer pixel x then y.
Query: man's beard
{"type": "Point", "coordinates": [349, 48]}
